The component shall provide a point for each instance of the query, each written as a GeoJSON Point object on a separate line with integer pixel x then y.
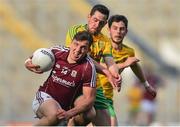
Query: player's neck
{"type": "Point", "coordinates": [117, 46]}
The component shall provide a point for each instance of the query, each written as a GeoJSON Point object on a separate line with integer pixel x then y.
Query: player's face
{"type": "Point", "coordinates": [117, 31]}
{"type": "Point", "coordinates": [96, 22]}
{"type": "Point", "coordinates": [78, 49]}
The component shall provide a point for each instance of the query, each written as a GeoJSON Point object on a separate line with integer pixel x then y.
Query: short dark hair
{"type": "Point", "coordinates": [117, 18]}
{"type": "Point", "coordinates": [84, 35]}
{"type": "Point", "coordinates": [101, 8]}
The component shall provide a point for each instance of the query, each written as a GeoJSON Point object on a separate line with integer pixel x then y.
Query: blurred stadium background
{"type": "Point", "coordinates": [26, 25]}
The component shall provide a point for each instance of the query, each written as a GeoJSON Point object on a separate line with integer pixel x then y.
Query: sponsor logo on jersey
{"type": "Point", "coordinates": [63, 81]}
{"type": "Point", "coordinates": [101, 45]}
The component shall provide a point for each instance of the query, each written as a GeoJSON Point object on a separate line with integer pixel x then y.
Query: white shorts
{"type": "Point", "coordinates": [39, 99]}
{"type": "Point", "coordinates": [148, 106]}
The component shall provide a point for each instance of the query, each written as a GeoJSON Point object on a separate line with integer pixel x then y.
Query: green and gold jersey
{"type": "Point", "coordinates": [119, 57]}
{"type": "Point", "coordinates": [100, 48]}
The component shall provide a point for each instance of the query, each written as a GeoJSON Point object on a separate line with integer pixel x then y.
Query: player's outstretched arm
{"type": "Point", "coordinates": [140, 75]}
{"type": "Point", "coordinates": [30, 66]}
{"type": "Point", "coordinates": [129, 61]}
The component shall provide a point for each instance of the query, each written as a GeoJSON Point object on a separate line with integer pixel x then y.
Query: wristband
{"type": "Point", "coordinates": [146, 84]}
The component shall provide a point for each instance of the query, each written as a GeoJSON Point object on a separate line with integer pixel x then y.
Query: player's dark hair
{"type": "Point", "coordinates": [101, 8]}
{"type": "Point", "coordinates": [84, 35]}
{"type": "Point", "coordinates": [117, 18]}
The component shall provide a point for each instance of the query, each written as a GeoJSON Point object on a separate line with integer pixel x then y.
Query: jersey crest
{"type": "Point", "coordinates": [73, 73]}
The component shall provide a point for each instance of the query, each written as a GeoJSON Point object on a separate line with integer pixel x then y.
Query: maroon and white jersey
{"type": "Point", "coordinates": [66, 80]}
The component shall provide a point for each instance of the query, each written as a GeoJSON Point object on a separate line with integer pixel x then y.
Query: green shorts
{"type": "Point", "coordinates": [101, 101]}
{"type": "Point", "coordinates": [111, 108]}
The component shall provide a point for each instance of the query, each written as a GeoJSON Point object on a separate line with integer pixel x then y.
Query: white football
{"type": "Point", "coordinates": [44, 58]}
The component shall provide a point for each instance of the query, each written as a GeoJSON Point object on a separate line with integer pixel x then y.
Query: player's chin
{"type": "Point", "coordinates": [117, 39]}
{"type": "Point", "coordinates": [76, 58]}
{"type": "Point", "coordinates": [93, 31]}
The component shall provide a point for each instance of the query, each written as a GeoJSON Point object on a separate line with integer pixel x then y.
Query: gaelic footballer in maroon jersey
{"type": "Point", "coordinates": [71, 82]}
{"type": "Point", "coordinates": [66, 80]}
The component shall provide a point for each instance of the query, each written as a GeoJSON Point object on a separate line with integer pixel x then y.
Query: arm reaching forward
{"type": "Point", "coordinates": [140, 75]}
{"type": "Point", "coordinates": [30, 66]}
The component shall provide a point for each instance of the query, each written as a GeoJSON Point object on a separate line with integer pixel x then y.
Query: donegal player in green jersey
{"type": "Point", "coordinates": [124, 56]}
{"type": "Point", "coordinates": [100, 49]}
